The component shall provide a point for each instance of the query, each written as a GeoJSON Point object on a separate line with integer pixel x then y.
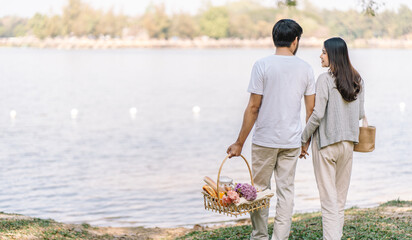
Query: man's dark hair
{"type": "Point", "coordinates": [285, 31]}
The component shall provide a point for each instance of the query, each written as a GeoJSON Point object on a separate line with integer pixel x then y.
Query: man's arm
{"type": "Point", "coordinates": [309, 104]}
{"type": "Point", "coordinates": [249, 119]}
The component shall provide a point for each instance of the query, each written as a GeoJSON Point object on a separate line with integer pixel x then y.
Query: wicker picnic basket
{"type": "Point", "coordinates": [215, 204]}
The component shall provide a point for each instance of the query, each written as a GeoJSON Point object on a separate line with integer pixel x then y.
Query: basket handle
{"type": "Point", "coordinates": [220, 169]}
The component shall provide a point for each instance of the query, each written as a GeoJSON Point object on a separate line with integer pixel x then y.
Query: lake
{"type": "Point", "coordinates": [108, 137]}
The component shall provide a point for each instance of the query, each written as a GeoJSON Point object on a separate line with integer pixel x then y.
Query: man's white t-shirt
{"type": "Point", "coordinates": [283, 81]}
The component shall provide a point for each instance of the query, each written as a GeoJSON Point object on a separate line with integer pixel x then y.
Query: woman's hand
{"type": "Point", "coordinates": [304, 150]}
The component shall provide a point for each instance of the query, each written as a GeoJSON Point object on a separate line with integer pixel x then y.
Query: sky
{"type": "Point", "coordinates": [27, 8]}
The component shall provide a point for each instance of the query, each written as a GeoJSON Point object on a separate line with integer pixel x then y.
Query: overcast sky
{"type": "Point", "coordinates": [27, 8]}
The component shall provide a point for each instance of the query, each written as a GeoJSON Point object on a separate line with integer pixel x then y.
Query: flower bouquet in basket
{"type": "Point", "coordinates": [233, 200]}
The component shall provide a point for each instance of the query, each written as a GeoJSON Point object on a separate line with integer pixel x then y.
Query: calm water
{"type": "Point", "coordinates": [107, 168]}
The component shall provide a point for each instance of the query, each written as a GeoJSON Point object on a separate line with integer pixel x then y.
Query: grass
{"type": "Point", "coordinates": [397, 203]}
{"type": "Point", "coordinates": [24, 228]}
{"type": "Point", "coordinates": [375, 223]}
{"type": "Point", "coordinates": [391, 220]}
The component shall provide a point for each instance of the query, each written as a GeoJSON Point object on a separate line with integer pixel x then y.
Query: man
{"type": "Point", "coordinates": [277, 85]}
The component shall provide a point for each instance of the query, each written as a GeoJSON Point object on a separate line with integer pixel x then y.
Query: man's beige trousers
{"type": "Point", "coordinates": [333, 167]}
{"type": "Point", "coordinates": [281, 162]}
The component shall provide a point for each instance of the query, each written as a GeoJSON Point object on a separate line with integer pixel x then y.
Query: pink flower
{"type": "Point", "coordinates": [234, 196]}
{"type": "Point", "coordinates": [226, 199]}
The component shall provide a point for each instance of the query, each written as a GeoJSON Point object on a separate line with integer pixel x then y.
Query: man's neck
{"type": "Point", "coordinates": [285, 51]}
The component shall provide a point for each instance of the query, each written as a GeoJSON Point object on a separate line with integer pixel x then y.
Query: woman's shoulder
{"type": "Point", "coordinates": [325, 78]}
{"type": "Point", "coordinates": [325, 75]}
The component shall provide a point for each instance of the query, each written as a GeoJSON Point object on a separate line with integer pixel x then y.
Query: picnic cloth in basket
{"type": "Point", "coordinates": [260, 195]}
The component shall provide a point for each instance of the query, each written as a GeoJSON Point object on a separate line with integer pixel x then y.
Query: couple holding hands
{"type": "Point", "coordinates": [333, 110]}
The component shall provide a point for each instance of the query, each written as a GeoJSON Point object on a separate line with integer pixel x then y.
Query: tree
{"type": "Point", "coordinates": [404, 21]}
{"type": "Point", "coordinates": [241, 26]}
{"type": "Point", "coordinates": [109, 24]}
{"type": "Point", "coordinates": [370, 7]}
{"type": "Point", "coordinates": [215, 22]}
{"type": "Point", "coordinates": [13, 27]}
{"type": "Point", "coordinates": [249, 19]}
{"type": "Point", "coordinates": [287, 3]}
{"type": "Point", "coordinates": [156, 21]}
{"type": "Point", "coordinates": [183, 25]}
{"type": "Point", "coordinates": [263, 29]}
{"type": "Point", "coordinates": [71, 15]}
{"type": "Point", "coordinates": [54, 26]}
{"type": "Point", "coordinates": [38, 25]}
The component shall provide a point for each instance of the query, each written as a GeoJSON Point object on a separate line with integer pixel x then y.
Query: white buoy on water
{"type": "Point", "coordinates": [402, 106]}
{"type": "Point", "coordinates": [133, 112]}
{"type": "Point", "coordinates": [74, 112]}
{"type": "Point", "coordinates": [13, 114]}
{"type": "Point", "coordinates": [196, 109]}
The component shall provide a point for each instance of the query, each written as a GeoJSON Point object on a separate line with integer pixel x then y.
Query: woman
{"type": "Point", "coordinates": [334, 124]}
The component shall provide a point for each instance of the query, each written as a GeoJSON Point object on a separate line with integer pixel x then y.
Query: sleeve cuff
{"type": "Point", "coordinates": [255, 91]}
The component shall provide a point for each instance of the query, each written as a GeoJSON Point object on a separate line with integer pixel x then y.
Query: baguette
{"type": "Point", "coordinates": [210, 182]}
{"type": "Point", "coordinates": [210, 190]}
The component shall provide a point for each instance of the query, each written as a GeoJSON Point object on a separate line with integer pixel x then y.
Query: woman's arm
{"type": "Point", "coordinates": [362, 101]}
{"type": "Point", "coordinates": [322, 96]}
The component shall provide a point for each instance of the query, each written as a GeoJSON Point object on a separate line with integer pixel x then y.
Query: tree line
{"type": "Point", "coordinates": [244, 19]}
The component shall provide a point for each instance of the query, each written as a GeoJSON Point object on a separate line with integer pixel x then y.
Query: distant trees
{"type": "Point", "coordinates": [44, 26]}
{"type": "Point", "coordinates": [80, 19]}
{"type": "Point", "coordinates": [156, 22]}
{"type": "Point", "coordinates": [369, 7]}
{"type": "Point", "coordinates": [289, 3]}
{"type": "Point", "coordinates": [243, 19]}
{"type": "Point", "coordinates": [215, 22]}
{"type": "Point", "coordinates": [13, 27]}
{"type": "Point", "coordinates": [38, 25]}
{"type": "Point", "coordinates": [250, 20]}
{"type": "Point", "coordinates": [403, 21]}
{"type": "Point", "coordinates": [184, 25]}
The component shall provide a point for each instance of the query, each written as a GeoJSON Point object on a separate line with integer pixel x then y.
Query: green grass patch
{"type": "Point", "coordinates": [45, 229]}
{"type": "Point", "coordinates": [86, 225]}
{"type": "Point", "coordinates": [17, 224]}
{"type": "Point", "coordinates": [374, 223]}
{"type": "Point", "coordinates": [397, 203]}
{"type": "Point", "coordinates": [64, 233]}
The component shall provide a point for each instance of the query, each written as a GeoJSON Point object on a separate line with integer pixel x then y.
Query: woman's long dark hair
{"type": "Point", "coordinates": [347, 79]}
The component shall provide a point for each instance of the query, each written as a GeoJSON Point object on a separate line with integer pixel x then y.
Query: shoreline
{"type": "Point", "coordinates": [67, 43]}
{"type": "Point", "coordinates": [15, 226]}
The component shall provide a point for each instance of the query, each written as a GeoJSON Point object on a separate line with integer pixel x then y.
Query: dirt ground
{"type": "Point", "coordinates": [162, 233]}
{"type": "Point", "coordinates": [140, 233]}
